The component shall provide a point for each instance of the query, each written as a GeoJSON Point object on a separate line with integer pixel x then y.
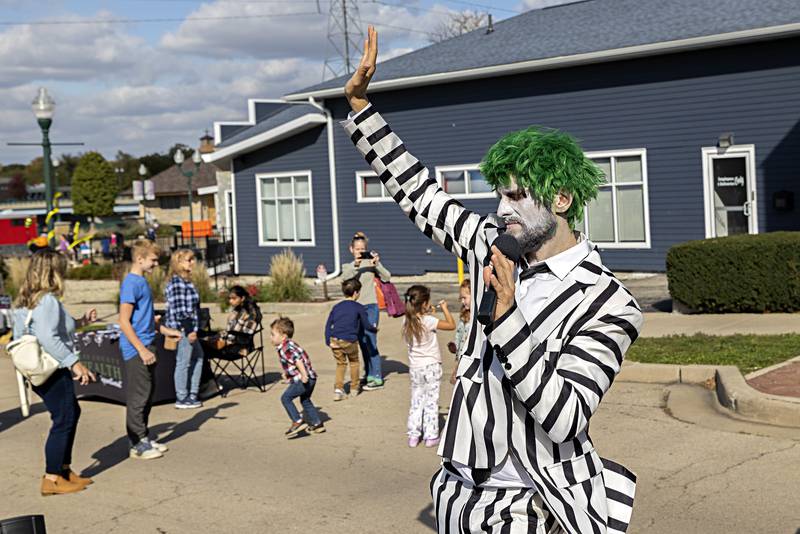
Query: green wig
{"type": "Point", "coordinates": [544, 161]}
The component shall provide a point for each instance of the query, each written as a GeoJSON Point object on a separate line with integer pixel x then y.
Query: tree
{"type": "Point", "coordinates": [34, 171]}
{"type": "Point", "coordinates": [94, 186]}
{"type": "Point", "coordinates": [458, 24]}
{"type": "Point", "coordinates": [66, 168]}
{"type": "Point", "coordinates": [157, 163]}
{"type": "Point", "coordinates": [130, 169]}
{"type": "Point", "coordinates": [16, 187]}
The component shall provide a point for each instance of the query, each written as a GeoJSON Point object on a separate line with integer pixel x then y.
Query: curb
{"type": "Point", "coordinates": [732, 391]}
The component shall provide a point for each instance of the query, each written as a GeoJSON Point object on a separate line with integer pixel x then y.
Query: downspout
{"type": "Point", "coordinates": [337, 269]}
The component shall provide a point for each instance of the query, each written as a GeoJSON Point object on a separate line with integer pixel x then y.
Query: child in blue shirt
{"type": "Point", "coordinates": [137, 323]}
{"type": "Point", "coordinates": [345, 321]}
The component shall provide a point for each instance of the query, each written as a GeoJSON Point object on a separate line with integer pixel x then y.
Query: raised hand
{"type": "Point", "coordinates": [356, 87]}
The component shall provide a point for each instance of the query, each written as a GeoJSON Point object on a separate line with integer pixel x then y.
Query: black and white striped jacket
{"type": "Point", "coordinates": [555, 368]}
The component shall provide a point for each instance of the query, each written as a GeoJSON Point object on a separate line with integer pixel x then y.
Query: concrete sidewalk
{"type": "Point", "coordinates": [229, 468]}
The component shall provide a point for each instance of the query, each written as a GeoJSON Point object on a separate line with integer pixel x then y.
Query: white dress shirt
{"type": "Point", "coordinates": [531, 296]}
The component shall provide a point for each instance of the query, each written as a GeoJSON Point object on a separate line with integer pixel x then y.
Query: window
{"type": "Point", "coordinates": [171, 203]}
{"type": "Point", "coordinates": [370, 189]}
{"type": "Point", "coordinates": [619, 216]}
{"type": "Point", "coordinates": [285, 209]}
{"type": "Point", "coordinates": [463, 181]}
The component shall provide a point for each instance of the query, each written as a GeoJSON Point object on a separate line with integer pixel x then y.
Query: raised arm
{"type": "Point", "coordinates": [435, 213]}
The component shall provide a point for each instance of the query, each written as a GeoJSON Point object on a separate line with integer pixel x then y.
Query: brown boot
{"type": "Point", "coordinates": [76, 479]}
{"type": "Point", "coordinates": [59, 486]}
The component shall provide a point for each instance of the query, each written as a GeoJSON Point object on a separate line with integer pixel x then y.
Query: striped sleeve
{"type": "Point", "coordinates": [439, 216]}
{"type": "Point", "coordinates": [561, 386]}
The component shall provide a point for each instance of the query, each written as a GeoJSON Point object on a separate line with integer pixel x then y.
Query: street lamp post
{"type": "Point", "coordinates": [196, 159]}
{"type": "Point", "coordinates": [43, 107]}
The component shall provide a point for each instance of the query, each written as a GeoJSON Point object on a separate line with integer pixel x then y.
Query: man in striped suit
{"type": "Point", "coordinates": [516, 452]}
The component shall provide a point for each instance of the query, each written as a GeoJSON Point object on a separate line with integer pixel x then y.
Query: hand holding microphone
{"type": "Point", "coordinates": [498, 293]}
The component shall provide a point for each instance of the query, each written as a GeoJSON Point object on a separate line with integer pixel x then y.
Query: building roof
{"type": "Point", "coordinates": [173, 182]}
{"type": "Point", "coordinates": [280, 116]}
{"type": "Point", "coordinates": [283, 120]}
{"type": "Point", "coordinates": [582, 30]}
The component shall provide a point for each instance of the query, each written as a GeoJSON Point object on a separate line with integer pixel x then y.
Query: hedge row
{"type": "Point", "coordinates": [92, 271]}
{"type": "Point", "coordinates": [743, 273]}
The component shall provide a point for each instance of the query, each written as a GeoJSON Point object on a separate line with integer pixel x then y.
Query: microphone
{"type": "Point", "coordinates": [510, 249]}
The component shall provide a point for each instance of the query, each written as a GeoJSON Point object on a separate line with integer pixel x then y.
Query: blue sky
{"type": "Point", "coordinates": [142, 86]}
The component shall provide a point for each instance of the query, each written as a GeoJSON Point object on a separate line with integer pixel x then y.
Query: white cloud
{"type": "Point", "coordinates": [68, 52]}
{"type": "Point", "coordinates": [527, 5]}
{"type": "Point", "coordinates": [115, 90]}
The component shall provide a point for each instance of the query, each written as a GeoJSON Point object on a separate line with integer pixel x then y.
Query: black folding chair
{"type": "Point", "coordinates": [242, 369]}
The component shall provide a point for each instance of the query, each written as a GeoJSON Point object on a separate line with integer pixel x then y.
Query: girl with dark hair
{"type": "Point", "coordinates": [424, 363]}
{"type": "Point", "coordinates": [243, 322]}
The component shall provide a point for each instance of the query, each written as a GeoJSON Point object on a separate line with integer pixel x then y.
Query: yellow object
{"type": "Point", "coordinates": [50, 215]}
{"type": "Point", "coordinates": [460, 271]}
{"type": "Point", "coordinates": [81, 240]}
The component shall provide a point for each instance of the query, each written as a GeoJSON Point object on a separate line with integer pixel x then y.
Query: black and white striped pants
{"type": "Point", "coordinates": [462, 508]}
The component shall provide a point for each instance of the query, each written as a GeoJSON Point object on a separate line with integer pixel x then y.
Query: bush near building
{"type": "Point", "coordinates": [737, 274]}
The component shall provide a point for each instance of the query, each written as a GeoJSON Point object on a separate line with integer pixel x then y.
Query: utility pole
{"type": "Point", "coordinates": [345, 35]}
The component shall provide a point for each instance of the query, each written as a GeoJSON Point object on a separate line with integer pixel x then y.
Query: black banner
{"type": "Point", "coordinates": [100, 352]}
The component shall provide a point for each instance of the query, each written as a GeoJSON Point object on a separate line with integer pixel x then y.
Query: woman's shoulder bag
{"type": "Point", "coordinates": [29, 358]}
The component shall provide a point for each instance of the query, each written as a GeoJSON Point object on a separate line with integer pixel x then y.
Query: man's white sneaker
{"type": "Point", "coordinates": [144, 451]}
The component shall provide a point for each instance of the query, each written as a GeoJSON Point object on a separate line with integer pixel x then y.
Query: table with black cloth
{"type": "Point", "coordinates": [101, 353]}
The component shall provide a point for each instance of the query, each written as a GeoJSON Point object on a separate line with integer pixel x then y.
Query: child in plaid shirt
{"type": "Point", "coordinates": [301, 376]}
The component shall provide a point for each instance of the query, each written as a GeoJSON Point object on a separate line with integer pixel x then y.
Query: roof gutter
{"type": "Point", "coordinates": [630, 52]}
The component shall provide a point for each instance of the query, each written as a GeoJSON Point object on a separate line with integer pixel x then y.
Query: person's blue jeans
{"type": "Point", "coordinates": [368, 341]}
{"type": "Point", "coordinates": [188, 368]}
{"type": "Point", "coordinates": [58, 394]}
{"type": "Point", "coordinates": [304, 391]}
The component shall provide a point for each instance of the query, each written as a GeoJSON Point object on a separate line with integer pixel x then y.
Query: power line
{"type": "Point", "coordinates": [484, 6]}
{"type": "Point", "coordinates": [136, 21]}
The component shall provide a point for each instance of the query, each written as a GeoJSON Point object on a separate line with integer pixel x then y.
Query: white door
{"type": "Point", "coordinates": [730, 190]}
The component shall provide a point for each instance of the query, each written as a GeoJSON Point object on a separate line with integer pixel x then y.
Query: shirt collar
{"type": "Point", "coordinates": [564, 262]}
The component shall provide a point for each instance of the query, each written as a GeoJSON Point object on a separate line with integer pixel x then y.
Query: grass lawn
{"type": "Point", "coordinates": [748, 352]}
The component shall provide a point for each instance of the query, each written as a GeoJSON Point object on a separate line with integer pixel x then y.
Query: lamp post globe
{"type": "Point", "coordinates": [43, 105]}
{"type": "Point", "coordinates": [178, 157]}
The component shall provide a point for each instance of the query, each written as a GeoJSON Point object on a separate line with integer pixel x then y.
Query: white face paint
{"type": "Point", "coordinates": [526, 218]}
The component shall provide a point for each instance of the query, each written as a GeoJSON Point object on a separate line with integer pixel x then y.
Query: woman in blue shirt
{"type": "Point", "coordinates": [54, 329]}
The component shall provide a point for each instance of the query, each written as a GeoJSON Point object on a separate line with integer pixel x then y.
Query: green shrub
{"type": "Point", "coordinates": [92, 271]}
{"type": "Point", "coordinates": [288, 280]}
{"type": "Point", "coordinates": [743, 273]}
{"type": "Point", "coordinates": [165, 230]}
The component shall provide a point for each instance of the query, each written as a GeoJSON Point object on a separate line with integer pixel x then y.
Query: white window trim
{"type": "Point", "coordinates": [641, 152]}
{"type": "Point", "coordinates": [469, 167]}
{"type": "Point", "coordinates": [731, 151]}
{"type": "Point", "coordinates": [360, 198]}
{"type": "Point", "coordinates": [261, 241]}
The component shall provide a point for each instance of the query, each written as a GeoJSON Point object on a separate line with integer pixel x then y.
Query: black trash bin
{"type": "Point", "coordinates": [24, 524]}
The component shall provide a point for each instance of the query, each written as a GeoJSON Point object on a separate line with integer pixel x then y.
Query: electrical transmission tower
{"type": "Point", "coordinates": [346, 35]}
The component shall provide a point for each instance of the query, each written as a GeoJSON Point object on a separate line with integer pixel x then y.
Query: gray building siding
{"type": "Point", "coordinates": [305, 151]}
{"type": "Point", "coordinates": [671, 105]}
